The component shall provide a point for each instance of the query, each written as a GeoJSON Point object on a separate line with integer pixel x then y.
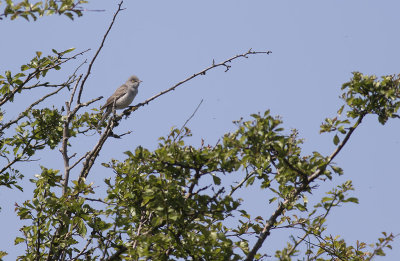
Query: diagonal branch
{"type": "Point", "coordinates": [296, 192]}
{"type": "Point", "coordinates": [98, 50]}
{"type": "Point", "coordinates": [187, 121]}
{"type": "Point", "coordinates": [203, 72]}
{"type": "Point", "coordinates": [191, 116]}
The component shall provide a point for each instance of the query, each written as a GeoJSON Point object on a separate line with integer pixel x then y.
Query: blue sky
{"type": "Point", "coordinates": [315, 46]}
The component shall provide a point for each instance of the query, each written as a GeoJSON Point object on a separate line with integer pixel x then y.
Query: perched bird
{"type": "Point", "coordinates": [122, 97]}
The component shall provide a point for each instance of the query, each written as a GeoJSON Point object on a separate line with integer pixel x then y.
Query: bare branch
{"type": "Point", "coordinates": [89, 241]}
{"type": "Point", "coordinates": [113, 122]}
{"type": "Point", "coordinates": [98, 50]}
{"type": "Point", "coordinates": [67, 120]}
{"type": "Point", "coordinates": [74, 90]}
{"type": "Point", "coordinates": [92, 155]}
{"type": "Point", "coordinates": [191, 116]}
{"type": "Point", "coordinates": [186, 122]}
{"type": "Point", "coordinates": [203, 72]}
{"type": "Point", "coordinates": [77, 162]}
{"type": "Point", "coordinates": [297, 243]}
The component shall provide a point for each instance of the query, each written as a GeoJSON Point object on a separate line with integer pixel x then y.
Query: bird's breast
{"type": "Point", "coordinates": [126, 99]}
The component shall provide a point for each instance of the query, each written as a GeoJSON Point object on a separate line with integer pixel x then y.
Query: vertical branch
{"type": "Point", "coordinates": [64, 146]}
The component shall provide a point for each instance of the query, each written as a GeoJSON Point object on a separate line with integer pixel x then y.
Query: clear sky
{"type": "Point", "coordinates": [315, 46]}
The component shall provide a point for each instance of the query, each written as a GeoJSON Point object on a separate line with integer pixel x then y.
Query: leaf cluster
{"type": "Point", "coordinates": [28, 9]}
{"type": "Point", "coordinates": [33, 129]}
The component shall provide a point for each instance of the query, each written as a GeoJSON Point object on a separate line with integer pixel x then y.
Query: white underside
{"type": "Point", "coordinates": [127, 99]}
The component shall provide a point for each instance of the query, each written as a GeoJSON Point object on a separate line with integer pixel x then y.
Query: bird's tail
{"type": "Point", "coordinates": [105, 115]}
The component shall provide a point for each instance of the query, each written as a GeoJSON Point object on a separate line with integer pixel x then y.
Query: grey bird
{"type": "Point", "coordinates": [122, 97]}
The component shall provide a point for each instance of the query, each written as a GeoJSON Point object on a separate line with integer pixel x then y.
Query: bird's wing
{"type": "Point", "coordinates": [121, 91]}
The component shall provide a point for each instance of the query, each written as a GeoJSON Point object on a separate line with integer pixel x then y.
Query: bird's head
{"type": "Point", "coordinates": [133, 81]}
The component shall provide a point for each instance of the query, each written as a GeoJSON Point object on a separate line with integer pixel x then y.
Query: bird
{"type": "Point", "coordinates": [122, 97]}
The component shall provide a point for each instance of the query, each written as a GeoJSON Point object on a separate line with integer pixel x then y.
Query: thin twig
{"type": "Point", "coordinates": [79, 160]}
{"type": "Point", "coordinates": [84, 248]}
{"type": "Point", "coordinates": [248, 175]}
{"type": "Point", "coordinates": [331, 253]}
{"type": "Point", "coordinates": [296, 244]}
{"type": "Point", "coordinates": [74, 90]}
{"type": "Point", "coordinates": [191, 116]}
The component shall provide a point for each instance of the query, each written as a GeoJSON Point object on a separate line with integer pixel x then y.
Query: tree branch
{"type": "Point", "coordinates": [296, 192]}
{"type": "Point", "coordinates": [203, 72]}
{"type": "Point", "coordinates": [98, 50]}
{"type": "Point", "coordinates": [186, 122]}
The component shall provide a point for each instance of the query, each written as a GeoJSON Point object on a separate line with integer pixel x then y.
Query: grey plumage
{"type": "Point", "coordinates": [122, 97]}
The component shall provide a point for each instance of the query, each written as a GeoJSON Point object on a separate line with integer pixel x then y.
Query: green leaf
{"type": "Point", "coordinates": [300, 207]}
{"type": "Point", "coordinates": [340, 110]}
{"type": "Point", "coordinates": [24, 67]}
{"type": "Point", "coordinates": [217, 180]}
{"type": "Point", "coordinates": [354, 200]}
{"type": "Point", "coordinates": [325, 199]}
{"type": "Point", "coordinates": [337, 169]}
{"type": "Point", "coordinates": [68, 50]}
{"type": "Point", "coordinates": [3, 254]}
{"type": "Point", "coordinates": [18, 240]}
{"type": "Point", "coordinates": [336, 140]}
{"type": "Point", "coordinates": [250, 181]}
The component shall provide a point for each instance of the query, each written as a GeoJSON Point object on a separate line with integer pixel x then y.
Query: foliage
{"type": "Point", "coordinates": [29, 9]}
{"type": "Point", "coordinates": [178, 201]}
{"type": "Point", "coordinates": [32, 132]}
